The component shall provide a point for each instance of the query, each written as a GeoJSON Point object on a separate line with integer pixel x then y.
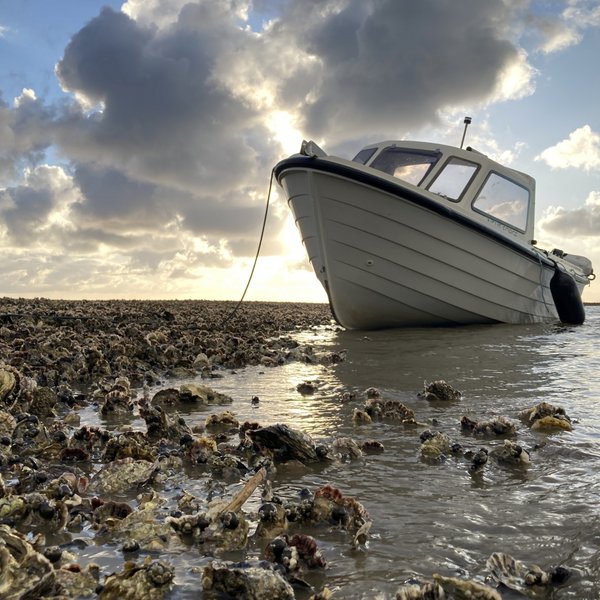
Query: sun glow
{"type": "Point", "coordinates": [282, 124]}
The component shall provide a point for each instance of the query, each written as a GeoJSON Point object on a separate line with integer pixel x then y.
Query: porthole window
{"type": "Point", "coordinates": [504, 200]}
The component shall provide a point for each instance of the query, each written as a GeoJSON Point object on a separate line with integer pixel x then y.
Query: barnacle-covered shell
{"type": "Point", "coordinates": [272, 520]}
{"type": "Point", "coordinates": [161, 425]}
{"type": "Point", "coordinates": [201, 449]}
{"type": "Point", "coordinates": [130, 444]}
{"type": "Point", "coordinates": [518, 576]}
{"type": "Point", "coordinates": [465, 589]}
{"type": "Point", "coordinates": [34, 510]}
{"type": "Point", "coordinates": [7, 424]}
{"type": "Point", "coordinates": [252, 580]}
{"type": "Point", "coordinates": [224, 419]}
{"type": "Point", "coordinates": [285, 443]}
{"type": "Point", "coordinates": [122, 475]}
{"type": "Point", "coordinates": [330, 505]}
{"type": "Point", "coordinates": [190, 525]}
{"type": "Point", "coordinates": [308, 551]}
{"type": "Point", "coordinates": [202, 394]}
{"type": "Point", "coordinates": [546, 416]}
{"type": "Point", "coordinates": [378, 408]}
{"type": "Point", "coordinates": [510, 453]}
{"type": "Point", "coordinates": [435, 446]}
{"type": "Point", "coordinates": [497, 426]}
{"type": "Point", "coordinates": [361, 417]}
{"type": "Point", "coordinates": [426, 591]}
{"type": "Point", "coordinates": [151, 580]}
{"type": "Point", "coordinates": [24, 572]}
{"type": "Point", "coordinates": [9, 378]}
{"type": "Point", "coordinates": [439, 390]}
{"type": "Point", "coordinates": [478, 460]}
{"type": "Point", "coordinates": [346, 448]}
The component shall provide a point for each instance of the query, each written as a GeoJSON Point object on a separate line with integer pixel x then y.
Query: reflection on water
{"type": "Point", "coordinates": [437, 517]}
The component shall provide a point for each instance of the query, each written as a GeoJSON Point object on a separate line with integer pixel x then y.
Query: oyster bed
{"type": "Point", "coordinates": [128, 471]}
{"type": "Point", "coordinates": [66, 486]}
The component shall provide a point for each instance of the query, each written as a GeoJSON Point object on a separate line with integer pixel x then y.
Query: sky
{"type": "Point", "coordinates": [137, 139]}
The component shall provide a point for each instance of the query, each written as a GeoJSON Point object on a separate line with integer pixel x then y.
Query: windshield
{"type": "Point", "coordinates": [409, 165]}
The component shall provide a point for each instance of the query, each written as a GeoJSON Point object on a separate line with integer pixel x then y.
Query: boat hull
{"type": "Point", "coordinates": [389, 258]}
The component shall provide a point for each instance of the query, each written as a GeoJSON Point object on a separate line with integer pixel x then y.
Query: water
{"type": "Point", "coordinates": [438, 517]}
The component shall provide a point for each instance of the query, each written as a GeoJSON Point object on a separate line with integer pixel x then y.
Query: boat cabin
{"type": "Point", "coordinates": [468, 180]}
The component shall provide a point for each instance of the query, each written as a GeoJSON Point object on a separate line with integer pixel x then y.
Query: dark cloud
{"type": "Point", "coordinates": [26, 211]}
{"type": "Point", "coordinates": [26, 130]}
{"type": "Point", "coordinates": [163, 116]}
{"type": "Point", "coordinates": [393, 64]}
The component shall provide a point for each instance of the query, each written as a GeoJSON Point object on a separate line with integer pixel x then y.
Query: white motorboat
{"type": "Point", "coordinates": [423, 234]}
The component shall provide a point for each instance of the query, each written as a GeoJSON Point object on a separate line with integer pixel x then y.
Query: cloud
{"type": "Point", "coordinates": [558, 32]}
{"type": "Point", "coordinates": [583, 13]}
{"type": "Point", "coordinates": [389, 61]}
{"type": "Point", "coordinates": [581, 221]}
{"type": "Point", "coordinates": [163, 118]}
{"type": "Point", "coordinates": [580, 150]}
{"type": "Point", "coordinates": [176, 110]}
{"type": "Point", "coordinates": [25, 132]}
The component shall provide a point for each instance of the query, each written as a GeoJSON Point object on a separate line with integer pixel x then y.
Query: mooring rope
{"type": "Point", "coordinates": [262, 233]}
{"type": "Point", "coordinates": [539, 257]}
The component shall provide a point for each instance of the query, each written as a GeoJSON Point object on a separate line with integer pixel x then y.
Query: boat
{"type": "Point", "coordinates": [421, 234]}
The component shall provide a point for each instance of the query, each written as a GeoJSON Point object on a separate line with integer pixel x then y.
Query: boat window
{"type": "Point", "coordinates": [364, 155]}
{"type": "Point", "coordinates": [406, 164]}
{"type": "Point", "coordinates": [453, 178]}
{"type": "Point", "coordinates": [504, 200]}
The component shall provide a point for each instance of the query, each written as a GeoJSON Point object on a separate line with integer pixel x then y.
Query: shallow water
{"type": "Point", "coordinates": [438, 517]}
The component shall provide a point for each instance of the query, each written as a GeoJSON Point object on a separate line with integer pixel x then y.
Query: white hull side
{"type": "Point", "coordinates": [388, 262]}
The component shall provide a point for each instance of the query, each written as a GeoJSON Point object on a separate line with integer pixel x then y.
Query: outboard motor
{"type": "Point", "coordinates": [567, 298]}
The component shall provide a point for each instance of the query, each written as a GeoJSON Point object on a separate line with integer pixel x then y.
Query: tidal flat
{"type": "Point", "coordinates": [174, 450]}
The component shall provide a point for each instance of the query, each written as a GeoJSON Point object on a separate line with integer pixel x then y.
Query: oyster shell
{"type": "Point", "coordinates": [435, 445]}
{"type": "Point", "coordinates": [545, 416]}
{"type": "Point", "coordinates": [151, 580]}
{"type": "Point", "coordinates": [202, 394]}
{"type": "Point", "coordinates": [285, 443]}
{"type": "Point", "coordinates": [465, 589]}
{"type": "Point", "coordinates": [8, 382]}
{"type": "Point", "coordinates": [7, 424]}
{"type": "Point", "coordinates": [75, 582]}
{"type": "Point", "coordinates": [251, 580]}
{"type": "Point", "coordinates": [510, 454]}
{"type": "Point", "coordinates": [122, 475]}
{"type": "Point", "coordinates": [377, 408]}
{"type": "Point", "coordinates": [497, 426]}
{"type": "Point", "coordinates": [518, 576]}
{"type": "Point", "coordinates": [426, 591]}
{"type": "Point", "coordinates": [24, 572]}
{"type": "Point", "coordinates": [439, 391]}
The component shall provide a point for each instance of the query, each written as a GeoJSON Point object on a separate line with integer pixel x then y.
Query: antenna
{"type": "Point", "coordinates": [467, 122]}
